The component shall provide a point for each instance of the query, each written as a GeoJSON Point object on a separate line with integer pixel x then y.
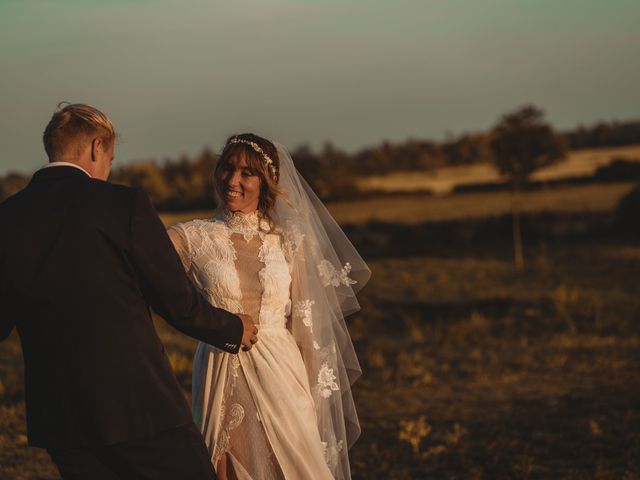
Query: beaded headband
{"type": "Point", "coordinates": [266, 158]}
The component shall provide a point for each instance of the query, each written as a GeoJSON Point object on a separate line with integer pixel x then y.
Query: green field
{"type": "Point", "coordinates": [471, 370]}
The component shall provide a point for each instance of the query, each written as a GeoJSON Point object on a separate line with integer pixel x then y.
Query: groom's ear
{"type": "Point", "coordinates": [96, 143]}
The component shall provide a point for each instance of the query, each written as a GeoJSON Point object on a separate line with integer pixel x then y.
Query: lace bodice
{"type": "Point", "coordinates": [238, 265]}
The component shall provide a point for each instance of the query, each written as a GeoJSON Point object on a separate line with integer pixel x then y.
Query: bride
{"type": "Point", "coordinates": [283, 409]}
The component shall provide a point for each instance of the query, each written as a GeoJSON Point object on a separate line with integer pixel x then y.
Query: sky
{"type": "Point", "coordinates": [178, 76]}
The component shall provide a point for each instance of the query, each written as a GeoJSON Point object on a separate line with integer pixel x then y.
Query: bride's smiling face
{"type": "Point", "coordinates": [240, 186]}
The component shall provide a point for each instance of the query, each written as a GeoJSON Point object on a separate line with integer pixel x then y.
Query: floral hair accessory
{"type": "Point", "coordinates": [266, 158]}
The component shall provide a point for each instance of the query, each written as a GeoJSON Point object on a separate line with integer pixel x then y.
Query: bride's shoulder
{"type": "Point", "coordinates": [289, 239]}
{"type": "Point", "coordinates": [291, 236]}
{"type": "Point", "coordinates": [202, 226]}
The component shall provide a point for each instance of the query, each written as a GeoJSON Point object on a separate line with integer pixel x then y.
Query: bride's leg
{"type": "Point", "coordinates": [225, 471]}
{"type": "Point", "coordinates": [221, 469]}
{"type": "Point", "coordinates": [231, 473]}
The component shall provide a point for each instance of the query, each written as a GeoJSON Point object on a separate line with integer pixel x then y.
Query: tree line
{"type": "Point", "coordinates": [185, 183]}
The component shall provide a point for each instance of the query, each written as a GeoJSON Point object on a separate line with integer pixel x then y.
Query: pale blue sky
{"type": "Point", "coordinates": [176, 76]}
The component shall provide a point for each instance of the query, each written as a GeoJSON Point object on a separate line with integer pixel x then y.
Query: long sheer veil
{"type": "Point", "coordinates": [327, 272]}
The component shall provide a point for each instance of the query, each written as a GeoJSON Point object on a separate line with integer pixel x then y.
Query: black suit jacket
{"type": "Point", "coordinates": [81, 261]}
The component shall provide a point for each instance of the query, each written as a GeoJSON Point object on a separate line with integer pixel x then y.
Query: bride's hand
{"type": "Point", "coordinates": [249, 331]}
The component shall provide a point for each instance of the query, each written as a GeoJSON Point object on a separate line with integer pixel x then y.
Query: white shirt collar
{"type": "Point", "coordinates": [65, 164]}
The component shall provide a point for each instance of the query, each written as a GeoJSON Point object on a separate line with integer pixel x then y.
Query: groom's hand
{"type": "Point", "coordinates": [249, 332]}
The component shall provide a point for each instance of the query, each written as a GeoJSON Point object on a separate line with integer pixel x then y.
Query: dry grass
{"type": "Point", "coordinates": [470, 370]}
{"type": "Point", "coordinates": [418, 208]}
{"type": "Point", "coordinates": [579, 163]}
{"type": "Point", "coordinates": [474, 371]}
{"type": "Point", "coordinates": [412, 209]}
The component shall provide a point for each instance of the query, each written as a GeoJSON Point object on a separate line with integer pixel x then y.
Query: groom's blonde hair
{"type": "Point", "coordinates": [73, 123]}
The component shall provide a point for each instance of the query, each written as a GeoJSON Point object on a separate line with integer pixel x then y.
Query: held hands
{"type": "Point", "coordinates": [249, 331]}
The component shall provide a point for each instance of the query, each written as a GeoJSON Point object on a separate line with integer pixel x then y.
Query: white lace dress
{"type": "Point", "coordinates": [255, 406]}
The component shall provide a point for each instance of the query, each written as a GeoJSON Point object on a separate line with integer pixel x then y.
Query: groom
{"type": "Point", "coordinates": [81, 261]}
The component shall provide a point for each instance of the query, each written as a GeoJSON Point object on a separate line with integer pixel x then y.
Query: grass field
{"type": "Point", "coordinates": [419, 208]}
{"type": "Point", "coordinates": [471, 370]}
{"type": "Point", "coordinates": [579, 163]}
{"type": "Point", "coordinates": [412, 209]}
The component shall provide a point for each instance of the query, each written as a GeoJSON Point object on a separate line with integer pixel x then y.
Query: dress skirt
{"type": "Point", "coordinates": [256, 407]}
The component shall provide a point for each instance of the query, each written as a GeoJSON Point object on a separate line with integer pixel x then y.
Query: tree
{"type": "Point", "coordinates": [12, 183]}
{"type": "Point", "coordinates": [145, 175]}
{"type": "Point", "coordinates": [522, 142]}
{"type": "Point", "coordinates": [467, 150]}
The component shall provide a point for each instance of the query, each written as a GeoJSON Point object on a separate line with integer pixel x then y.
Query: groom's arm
{"type": "Point", "coordinates": [166, 287]}
{"type": "Point", "coordinates": [7, 320]}
{"type": "Point", "coordinates": [7, 317]}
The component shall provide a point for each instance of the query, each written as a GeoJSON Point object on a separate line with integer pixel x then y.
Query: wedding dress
{"type": "Point", "coordinates": [256, 407]}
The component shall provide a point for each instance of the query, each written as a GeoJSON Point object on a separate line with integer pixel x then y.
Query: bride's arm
{"type": "Point", "coordinates": [179, 241]}
{"type": "Point", "coordinates": [165, 286]}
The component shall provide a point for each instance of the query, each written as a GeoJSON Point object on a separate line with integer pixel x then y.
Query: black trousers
{"type": "Point", "coordinates": [176, 454]}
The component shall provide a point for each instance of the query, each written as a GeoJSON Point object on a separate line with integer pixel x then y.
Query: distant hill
{"type": "Point", "coordinates": [413, 165]}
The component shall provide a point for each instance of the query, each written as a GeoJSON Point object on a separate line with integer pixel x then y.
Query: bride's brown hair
{"type": "Point", "coordinates": [268, 173]}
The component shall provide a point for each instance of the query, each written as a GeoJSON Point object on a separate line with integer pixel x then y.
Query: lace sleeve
{"type": "Point", "coordinates": [181, 244]}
